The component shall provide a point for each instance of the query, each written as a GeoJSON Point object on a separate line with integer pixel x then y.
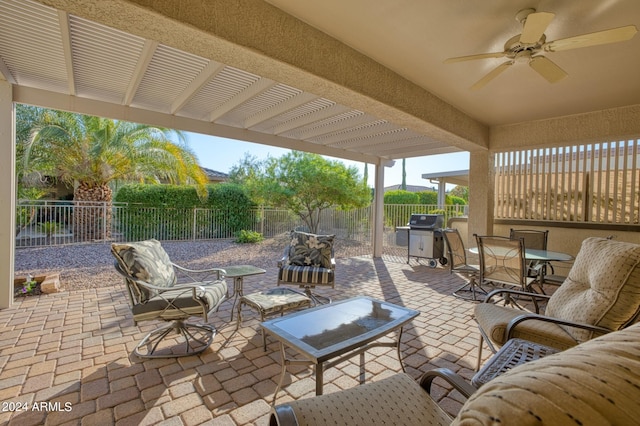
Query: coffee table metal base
{"type": "Point", "coordinates": [322, 366]}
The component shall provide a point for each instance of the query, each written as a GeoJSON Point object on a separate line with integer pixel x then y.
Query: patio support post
{"type": "Point", "coordinates": [442, 193]}
{"type": "Point", "coordinates": [378, 210]}
{"type": "Point", "coordinates": [481, 195]}
{"type": "Point", "coordinates": [7, 193]}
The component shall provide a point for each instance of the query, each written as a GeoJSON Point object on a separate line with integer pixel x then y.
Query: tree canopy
{"type": "Point", "coordinates": [303, 183]}
{"type": "Point", "coordinates": [93, 151]}
{"type": "Point", "coordinates": [89, 153]}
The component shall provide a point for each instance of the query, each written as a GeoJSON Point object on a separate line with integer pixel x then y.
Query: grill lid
{"type": "Point", "coordinates": [426, 221]}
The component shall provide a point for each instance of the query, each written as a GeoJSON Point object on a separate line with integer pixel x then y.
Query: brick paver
{"type": "Point", "coordinates": [73, 350]}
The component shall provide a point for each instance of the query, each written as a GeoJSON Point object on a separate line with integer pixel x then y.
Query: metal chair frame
{"type": "Point", "coordinates": [534, 239]}
{"type": "Point", "coordinates": [196, 337]}
{"type": "Point", "coordinates": [458, 264]}
{"type": "Point", "coordinates": [502, 262]}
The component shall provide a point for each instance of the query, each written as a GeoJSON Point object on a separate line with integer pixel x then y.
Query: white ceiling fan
{"type": "Point", "coordinates": [529, 46]}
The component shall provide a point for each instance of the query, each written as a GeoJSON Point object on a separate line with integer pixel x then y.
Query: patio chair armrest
{"type": "Point", "coordinates": [204, 273]}
{"type": "Point", "coordinates": [285, 255]}
{"type": "Point", "coordinates": [531, 316]}
{"type": "Point", "coordinates": [283, 416]}
{"type": "Point", "coordinates": [500, 291]}
{"type": "Point", "coordinates": [455, 380]}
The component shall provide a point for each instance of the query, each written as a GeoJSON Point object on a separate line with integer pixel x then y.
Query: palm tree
{"type": "Point", "coordinates": [91, 152]}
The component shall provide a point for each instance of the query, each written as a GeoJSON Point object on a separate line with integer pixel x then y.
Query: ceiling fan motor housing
{"type": "Point", "coordinates": [514, 46]}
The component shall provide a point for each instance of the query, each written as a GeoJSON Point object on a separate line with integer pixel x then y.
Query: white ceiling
{"type": "Point", "coordinates": [413, 38]}
{"type": "Point", "coordinates": [53, 56]}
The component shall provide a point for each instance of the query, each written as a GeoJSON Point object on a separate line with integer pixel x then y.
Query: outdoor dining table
{"type": "Point", "coordinates": [539, 255]}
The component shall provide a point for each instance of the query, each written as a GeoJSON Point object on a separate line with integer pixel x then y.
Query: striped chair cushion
{"type": "Point", "coordinates": [306, 275]}
{"type": "Point", "coordinates": [179, 303]}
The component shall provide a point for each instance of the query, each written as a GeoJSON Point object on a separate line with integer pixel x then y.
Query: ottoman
{"type": "Point", "coordinates": [272, 301]}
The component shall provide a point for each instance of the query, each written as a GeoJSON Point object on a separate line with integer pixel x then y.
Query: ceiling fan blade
{"type": "Point", "coordinates": [547, 68]}
{"type": "Point", "coordinates": [535, 25]}
{"type": "Point", "coordinates": [473, 57]}
{"type": "Point", "coordinates": [613, 35]}
{"type": "Point", "coordinates": [492, 74]}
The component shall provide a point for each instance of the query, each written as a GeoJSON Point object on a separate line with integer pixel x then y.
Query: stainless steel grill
{"type": "Point", "coordinates": [425, 238]}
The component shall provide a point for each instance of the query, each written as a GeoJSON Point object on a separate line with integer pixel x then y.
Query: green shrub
{"type": "Point", "coordinates": [428, 197]}
{"type": "Point", "coordinates": [251, 237]}
{"type": "Point", "coordinates": [226, 211]}
{"type": "Point", "coordinates": [400, 196]}
{"type": "Point", "coordinates": [456, 201]}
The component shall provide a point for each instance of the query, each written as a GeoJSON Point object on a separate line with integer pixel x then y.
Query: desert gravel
{"type": "Point", "coordinates": [84, 266]}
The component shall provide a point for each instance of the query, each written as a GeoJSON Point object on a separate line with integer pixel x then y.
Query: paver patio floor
{"type": "Point", "coordinates": [71, 351]}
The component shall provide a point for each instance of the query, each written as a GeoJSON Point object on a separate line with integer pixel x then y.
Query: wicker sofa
{"type": "Point", "coordinates": [594, 383]}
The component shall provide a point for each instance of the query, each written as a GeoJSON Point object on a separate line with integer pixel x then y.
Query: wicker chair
{"type": "Point", "coordinates": [155, 294]}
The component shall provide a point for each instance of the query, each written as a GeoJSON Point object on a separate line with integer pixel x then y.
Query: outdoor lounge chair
{"type": "Point", "coordinates": [595, 383]}
{"type": "Point", "coordinates": [155, 294]}
{"type": "Point", "coordinates": [308, 261]}
{"type": "Point", "coordinates": [601, 294]}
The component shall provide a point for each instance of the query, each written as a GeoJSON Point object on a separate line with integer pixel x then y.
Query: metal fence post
{"type": "Point", "coordinates": [195, 216]}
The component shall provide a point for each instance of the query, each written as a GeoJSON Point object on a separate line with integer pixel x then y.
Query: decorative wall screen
{"type": "Point", "coordinates": [597, 183]}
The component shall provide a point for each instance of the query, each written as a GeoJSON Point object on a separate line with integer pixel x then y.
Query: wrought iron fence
{"type": "Point", "coordinates": [47, 222]}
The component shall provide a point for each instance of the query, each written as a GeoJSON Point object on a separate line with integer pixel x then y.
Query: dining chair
{"type": "Point", "coordinates": [502, 262]}
{"type": "Point", "coordinates": [534, 239]}
{"type": "Point", "coordinates": [458, 264]}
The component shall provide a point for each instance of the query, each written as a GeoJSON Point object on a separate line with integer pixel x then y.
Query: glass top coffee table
{"type": "Point", "coordinates": [330, 334]}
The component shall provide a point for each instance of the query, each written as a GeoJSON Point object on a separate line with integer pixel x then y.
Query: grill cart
{"type": "Point", "coordinates": [425, 238]}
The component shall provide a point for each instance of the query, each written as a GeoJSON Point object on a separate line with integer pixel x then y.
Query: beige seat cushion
{"type": "Point", "coordinates": [595, 383]}
{"type": "Point", "coordinates": [493, 320]}
{"type": "Point", "coordinates": [397, 400]}
{"type": "Point", "coordinates": [602, 288]}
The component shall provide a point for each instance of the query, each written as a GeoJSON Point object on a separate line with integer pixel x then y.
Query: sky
{"type": "Point", "coordinates": [221, 154]}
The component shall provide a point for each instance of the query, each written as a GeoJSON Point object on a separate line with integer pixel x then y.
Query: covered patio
{"type": "Point", "coordinates": [283, 74]}
{"type": "Point", "coordinates": [74, 347]}
{"type": "Point", "coordinates": [320, 78]}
